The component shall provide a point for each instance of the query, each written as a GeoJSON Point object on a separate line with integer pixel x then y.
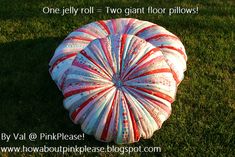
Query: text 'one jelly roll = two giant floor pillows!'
{"type": "Point", "coordinates": [119, 77]}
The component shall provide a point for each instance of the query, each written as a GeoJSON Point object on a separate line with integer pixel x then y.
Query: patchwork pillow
{"type": "Point", "coordinates": [119, 77]}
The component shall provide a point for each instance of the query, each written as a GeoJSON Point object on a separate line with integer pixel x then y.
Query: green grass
{"type": "Point", "coordinates": [202, 120]}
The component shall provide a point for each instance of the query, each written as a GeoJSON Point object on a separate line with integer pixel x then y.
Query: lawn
{"type": "Point", "coordinates": [203, 115]}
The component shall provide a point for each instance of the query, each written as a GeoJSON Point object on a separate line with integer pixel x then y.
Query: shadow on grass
{"type": "Point", "coordinates": [30, 100]}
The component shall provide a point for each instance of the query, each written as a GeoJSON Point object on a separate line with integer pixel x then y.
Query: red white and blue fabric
{"type": "Point", "coordinates": [119, 77]}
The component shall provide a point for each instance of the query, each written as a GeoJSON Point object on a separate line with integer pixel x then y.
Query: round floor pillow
{"type": "Point", "coordinates": [119, 88]}
{"type": "Point", "coordinates": [170, 45]}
